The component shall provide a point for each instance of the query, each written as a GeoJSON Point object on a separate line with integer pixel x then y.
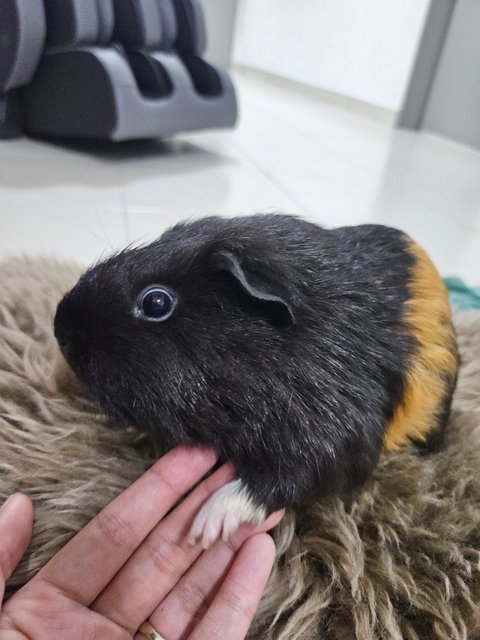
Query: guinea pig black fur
{"type": "Point", "coordinates": [294, 351]}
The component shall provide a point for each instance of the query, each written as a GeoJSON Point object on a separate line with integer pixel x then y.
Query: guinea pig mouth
{"type": "Point", "coordinates": [70, 347]}
{"type": "Point", "coordinates": [65, 348]}
{"type": "Point", "coordinates": [117, 417]}
{"type": "Point", "coordinates": [73, 355]}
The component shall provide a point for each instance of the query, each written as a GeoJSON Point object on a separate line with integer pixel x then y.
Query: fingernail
{"type": "Point", "coordinates": [6, 506]}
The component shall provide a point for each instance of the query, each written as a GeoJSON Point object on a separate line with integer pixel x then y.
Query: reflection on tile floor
{"type": "Point", "coordinates": [289, 153]}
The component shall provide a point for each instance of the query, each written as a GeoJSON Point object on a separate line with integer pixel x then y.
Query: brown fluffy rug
{"type": "Point", "coordinates": [401, 561]}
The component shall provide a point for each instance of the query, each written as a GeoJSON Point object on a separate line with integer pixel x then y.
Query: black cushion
{"type": "Point", "coordinates": [78, 22]}
{"type": "Point", "coordinates": [192, 36]}
{"type": "Point", "coordinates": [204, 76]}
{"type": "Point", "coordinates": [151, 76]}
{"type": "Point", "coordinates": [22, 38]}
{"type": "Point", "coordinates": [138, 24]}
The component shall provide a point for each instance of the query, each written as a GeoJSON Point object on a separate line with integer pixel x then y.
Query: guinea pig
{"type": "Point", "coordinates": [294, 351]}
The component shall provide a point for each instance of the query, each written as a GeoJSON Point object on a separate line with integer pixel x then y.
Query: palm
{"type": "Point", "coordinates": [133, 562]}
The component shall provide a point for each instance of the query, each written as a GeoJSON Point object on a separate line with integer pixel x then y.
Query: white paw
{"type": "Point", "coordinates": [223, 513]}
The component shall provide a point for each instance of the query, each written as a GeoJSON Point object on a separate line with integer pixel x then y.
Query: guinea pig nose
{"type": "Point", "coordinates": [67, 326]}
{"type": "Point", "coordinates": [61, 329]}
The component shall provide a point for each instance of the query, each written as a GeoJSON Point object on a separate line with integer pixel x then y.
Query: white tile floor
{"type": "Point", "coordinates": [290, 153]}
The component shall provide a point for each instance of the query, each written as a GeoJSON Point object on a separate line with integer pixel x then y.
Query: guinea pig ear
{"type": "Point", "coordinates": [276, 308]}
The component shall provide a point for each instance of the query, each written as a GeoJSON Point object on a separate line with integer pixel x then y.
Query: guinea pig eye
{"type": "Point", "coordinates": [155, 304]}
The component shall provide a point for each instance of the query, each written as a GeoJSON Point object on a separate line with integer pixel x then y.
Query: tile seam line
{"type": "Point", "coordinates": [268, 176]}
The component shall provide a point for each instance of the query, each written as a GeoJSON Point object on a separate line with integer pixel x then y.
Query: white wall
{"type": "Point", "coordinates": [359, 48]}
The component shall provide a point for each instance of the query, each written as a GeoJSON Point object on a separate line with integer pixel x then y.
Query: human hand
{"type": "Point", "coordinates": [133, 562]}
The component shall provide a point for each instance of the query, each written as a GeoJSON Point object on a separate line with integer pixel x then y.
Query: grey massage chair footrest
{"type": "Point", "coordinates": [112, 69]}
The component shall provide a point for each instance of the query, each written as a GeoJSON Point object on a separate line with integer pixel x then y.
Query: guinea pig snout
{"type": "Point", "coordinates": [69, 328]}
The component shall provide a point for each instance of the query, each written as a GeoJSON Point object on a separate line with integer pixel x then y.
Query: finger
{"type": "Point", "coordinates": [159, 562]}
{"type": "Point", "coordinates": [189, 600]}
{"type": "Point", "coordinates": [16, 521]}
{"type": "Point", "coordinates": [91, 559]}
{"type": "Point", "coordinates": [237, 600]}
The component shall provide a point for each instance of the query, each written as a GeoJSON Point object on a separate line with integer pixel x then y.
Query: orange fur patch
{"type": "Point", "coordinates": [435, 363]}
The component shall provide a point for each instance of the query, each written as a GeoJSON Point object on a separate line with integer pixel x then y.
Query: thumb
{"type": "Point", "coordinates": [16, 522]}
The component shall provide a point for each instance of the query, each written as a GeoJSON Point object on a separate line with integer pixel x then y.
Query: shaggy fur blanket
{"type": "Point", "coordinates": [400, 560]}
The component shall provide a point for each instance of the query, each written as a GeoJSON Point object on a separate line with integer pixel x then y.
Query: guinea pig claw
{"type": "Point", "coordinates": [231, 522]}
{"type": "Point", "coordinates": [222, 514]}
{"type": "Point", "coordinates": [206, 527]}
{"type": "Point", "coordinates": [196, 530]}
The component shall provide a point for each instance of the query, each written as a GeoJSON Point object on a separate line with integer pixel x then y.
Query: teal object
{"type": "Point", "coordinates": [462, 296]}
